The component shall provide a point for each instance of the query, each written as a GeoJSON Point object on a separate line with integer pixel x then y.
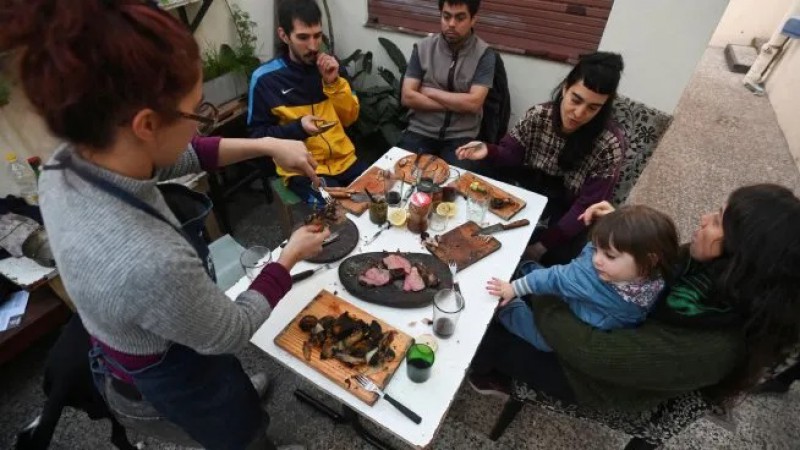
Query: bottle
{"type": "Point", "coordinates": [24, 177]}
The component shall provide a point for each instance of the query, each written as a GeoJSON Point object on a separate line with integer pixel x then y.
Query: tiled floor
{"type": "Point", "coordinates": [723, 137]}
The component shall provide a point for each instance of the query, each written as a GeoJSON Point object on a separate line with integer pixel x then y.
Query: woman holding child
{"type": "Point", "coordinates": [732, 311]}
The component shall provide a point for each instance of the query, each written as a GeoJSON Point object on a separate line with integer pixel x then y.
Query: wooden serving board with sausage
{"type": "Point", "coordinates": [372, 179]}
{"type": "Point", "coordinates": [501, 203]}
{"type": "Point", "coordinates": [432, 167]}
{"type": "Point", "coordinates": [345, 329]}
{"type": "Point", "coordinates": [461, 246]}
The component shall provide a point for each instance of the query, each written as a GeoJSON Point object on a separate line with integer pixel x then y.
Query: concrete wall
{"type": "Point", "coordinates": [746, 19]}
{"type": "Point", "coordinates": [661, 41]}
{"type": "Point", "coordinates": [783, 88]}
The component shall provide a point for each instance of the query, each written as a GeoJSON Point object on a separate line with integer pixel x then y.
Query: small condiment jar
{"type": "Point", "coordinates": [377, 211]}
{"type": "Point", "coordinates": [418, 208]}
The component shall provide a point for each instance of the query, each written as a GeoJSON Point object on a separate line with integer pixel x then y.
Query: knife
{"type": "Point", "coordinates": [332, 237]}
{"type": "Point", "coordinates": [385, 226]}
{"type": "Point", "coordinates": [308, 273]}
{"type": "Point", "coordinates": [502, 226]}
{"type": "Point", "coordinates": [355, 197]}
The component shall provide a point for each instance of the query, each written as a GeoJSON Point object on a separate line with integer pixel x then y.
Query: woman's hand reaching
{"type": "Point", "coordinates": [304, 243]}
{"type": "Point", "coordinates": [501, 289]}
{"type": "Point", "coordinates": [596, 211]}
{"type": "Point", "coordinates": [475, 150]}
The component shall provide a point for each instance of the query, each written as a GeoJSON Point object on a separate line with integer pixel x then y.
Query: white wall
{"type": "Point", "coordinates": [747, 19]}
{"type": "Point", "coordinates": [783, 87]}
{"type": "Point", "coordinates": [217, 26]}
{"type": "Point", "coordinates": [661, 41]}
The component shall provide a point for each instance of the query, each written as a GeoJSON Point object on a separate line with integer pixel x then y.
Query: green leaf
{"type": "Point", "coordinates": [353, 57]}
{"type": "Point", "coordinates": [366, 64]}
{"type": "Point", "coordinates": [394, 54]}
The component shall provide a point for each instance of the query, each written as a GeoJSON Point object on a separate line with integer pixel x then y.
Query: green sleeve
{"type": "Point", "coordinates": [653, 356]}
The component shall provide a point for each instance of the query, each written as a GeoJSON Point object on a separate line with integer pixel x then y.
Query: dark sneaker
{"type": "Point", "coordinates": [489, 385]}
{"type": "Point", "coordinates": [772, 386]}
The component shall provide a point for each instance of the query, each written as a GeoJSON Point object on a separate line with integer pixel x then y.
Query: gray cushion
{"type": "Point", "coordinates": [643, 126]}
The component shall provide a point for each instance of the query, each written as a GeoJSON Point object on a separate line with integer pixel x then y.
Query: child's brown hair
{"type": "Point", "coordinates": [645, 233]}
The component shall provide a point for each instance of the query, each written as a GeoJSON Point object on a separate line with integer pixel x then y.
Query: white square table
{"type": "Point", "coordinates": [432, 398]}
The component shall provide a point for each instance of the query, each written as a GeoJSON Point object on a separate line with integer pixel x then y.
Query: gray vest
{"type": "Point", "coordinates": [436, 59]}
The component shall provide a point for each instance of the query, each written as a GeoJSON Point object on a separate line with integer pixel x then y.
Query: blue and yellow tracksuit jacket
{"type": "Point", "coordinates": [282, 91]}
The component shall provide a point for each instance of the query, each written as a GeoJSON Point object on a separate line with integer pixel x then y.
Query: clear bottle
{"type": "Point", "coordinates": [24, 177]}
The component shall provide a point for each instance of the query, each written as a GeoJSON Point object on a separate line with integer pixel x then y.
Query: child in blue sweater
{"type": "Point", "coordinates": [612, 284]}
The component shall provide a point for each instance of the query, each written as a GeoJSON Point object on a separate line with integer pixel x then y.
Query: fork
{"type": "Point", "coordinates": [322, 191]}
{"type": "Point", "coordinates": [367, 384]}
{"type": "Point", "coordinates": [453, 269]}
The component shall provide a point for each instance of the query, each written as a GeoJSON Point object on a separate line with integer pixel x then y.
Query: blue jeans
{"type": "Point", "coordinates": [302, 185]}
{"type": "Point", "coordinates": [208, 397]}
{"type": "Point", "coordinates": [517, 317]}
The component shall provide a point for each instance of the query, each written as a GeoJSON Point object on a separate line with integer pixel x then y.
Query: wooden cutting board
{"type": "Point", "coordinates": [372, 180]}
{"type": "Point", "coordinates": [507, 211]}
{"type": "Point", "coordinates": [438, 169]}
{"type": "Point", "coordinates": [460, 246]}
{"type": "Point", "coordinates": [325, 303]}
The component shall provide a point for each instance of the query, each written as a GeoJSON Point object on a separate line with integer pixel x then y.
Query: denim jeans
{"type": "Point", "coordinates": [189, 398]}
{"type": "Point", "coordinates": [517, 316]}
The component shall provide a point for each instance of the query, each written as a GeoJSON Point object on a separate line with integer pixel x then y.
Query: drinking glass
{"type": "Point", "coordinates": [438, 221]}
{"type": "Point", "coordinates": [447, 307]}
{"type": "Point", "coordinates": [253, 259]}
{"type": "Point", "coordinates": [477, 205]}
{"type": "Point", "coordinates": [419, 361]}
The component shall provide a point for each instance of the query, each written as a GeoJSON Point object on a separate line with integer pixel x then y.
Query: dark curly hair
{"type": "Point", "coordinates": [758, 275]}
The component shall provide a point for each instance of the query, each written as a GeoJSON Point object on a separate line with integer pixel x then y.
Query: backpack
{"type": "Point", "coordinates": [497, 106]}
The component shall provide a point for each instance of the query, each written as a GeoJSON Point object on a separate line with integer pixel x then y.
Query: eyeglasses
{"type": "Point", "coordinates": [205, 116]}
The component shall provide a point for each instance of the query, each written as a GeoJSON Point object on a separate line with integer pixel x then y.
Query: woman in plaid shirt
{"type": "Point", "coordinates": [571, 152]}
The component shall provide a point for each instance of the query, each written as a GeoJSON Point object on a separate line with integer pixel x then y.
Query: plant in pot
{"type": "Point", "coordinates": [381, 115]}
{"type": "Point", "coordinates": [226, 70]}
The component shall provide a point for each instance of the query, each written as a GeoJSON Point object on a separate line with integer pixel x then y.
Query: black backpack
{"type": "Point", "coordinates": [497, 106]}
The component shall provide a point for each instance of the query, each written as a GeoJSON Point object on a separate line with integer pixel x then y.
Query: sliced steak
{"type": "Point", "coordinates": [375, 277]}
{"type": "Point", "coordinates": [395, 261]}
{"type": "Point", "coordinates": [413, 281]}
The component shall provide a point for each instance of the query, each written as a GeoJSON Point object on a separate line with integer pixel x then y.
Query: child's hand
{"type": "Point", "coordinates": [501, 289]}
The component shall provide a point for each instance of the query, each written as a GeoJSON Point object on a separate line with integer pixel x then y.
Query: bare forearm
{"type": "Point", "coordinates": [233, 150]}
{"type": "Point", "coordinates": [458, 102]}
{"type": "Point", "coordinates": [421, 102]}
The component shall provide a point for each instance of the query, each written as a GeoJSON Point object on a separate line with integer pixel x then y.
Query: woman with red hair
{"type": "Point", "coordinates": [120, 82]}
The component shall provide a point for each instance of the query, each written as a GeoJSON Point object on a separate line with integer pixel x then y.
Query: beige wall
{"type": "Point", "coordinates": [783, 88]}
{"type": "Point", "coordinates": [745, 19]}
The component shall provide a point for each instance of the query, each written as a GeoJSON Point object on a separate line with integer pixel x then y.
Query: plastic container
{"type": "Point", "coordinates": [24, 177]}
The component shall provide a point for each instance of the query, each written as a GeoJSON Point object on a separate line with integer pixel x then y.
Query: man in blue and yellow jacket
{"type": "Point", "coordinates": [293, 94]}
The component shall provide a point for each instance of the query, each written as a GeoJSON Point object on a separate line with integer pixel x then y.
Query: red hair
{"type": "Point", "coordinates": [88, 66]}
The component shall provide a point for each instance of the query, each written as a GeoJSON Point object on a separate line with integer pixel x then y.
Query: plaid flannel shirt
{"type": "Point", "coordinates": [543, 145]}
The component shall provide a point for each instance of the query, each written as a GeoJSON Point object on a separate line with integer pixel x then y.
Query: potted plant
{"type": "Point", "coordinates": [378, 95]}
{"type": "Point", "coordinates": [226, 70]}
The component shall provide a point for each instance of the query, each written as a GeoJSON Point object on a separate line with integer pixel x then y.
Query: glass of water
{"type": "Point", "coordinates": [477, 205]}
{"type": "Point", "coordinates": [255, 258]}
